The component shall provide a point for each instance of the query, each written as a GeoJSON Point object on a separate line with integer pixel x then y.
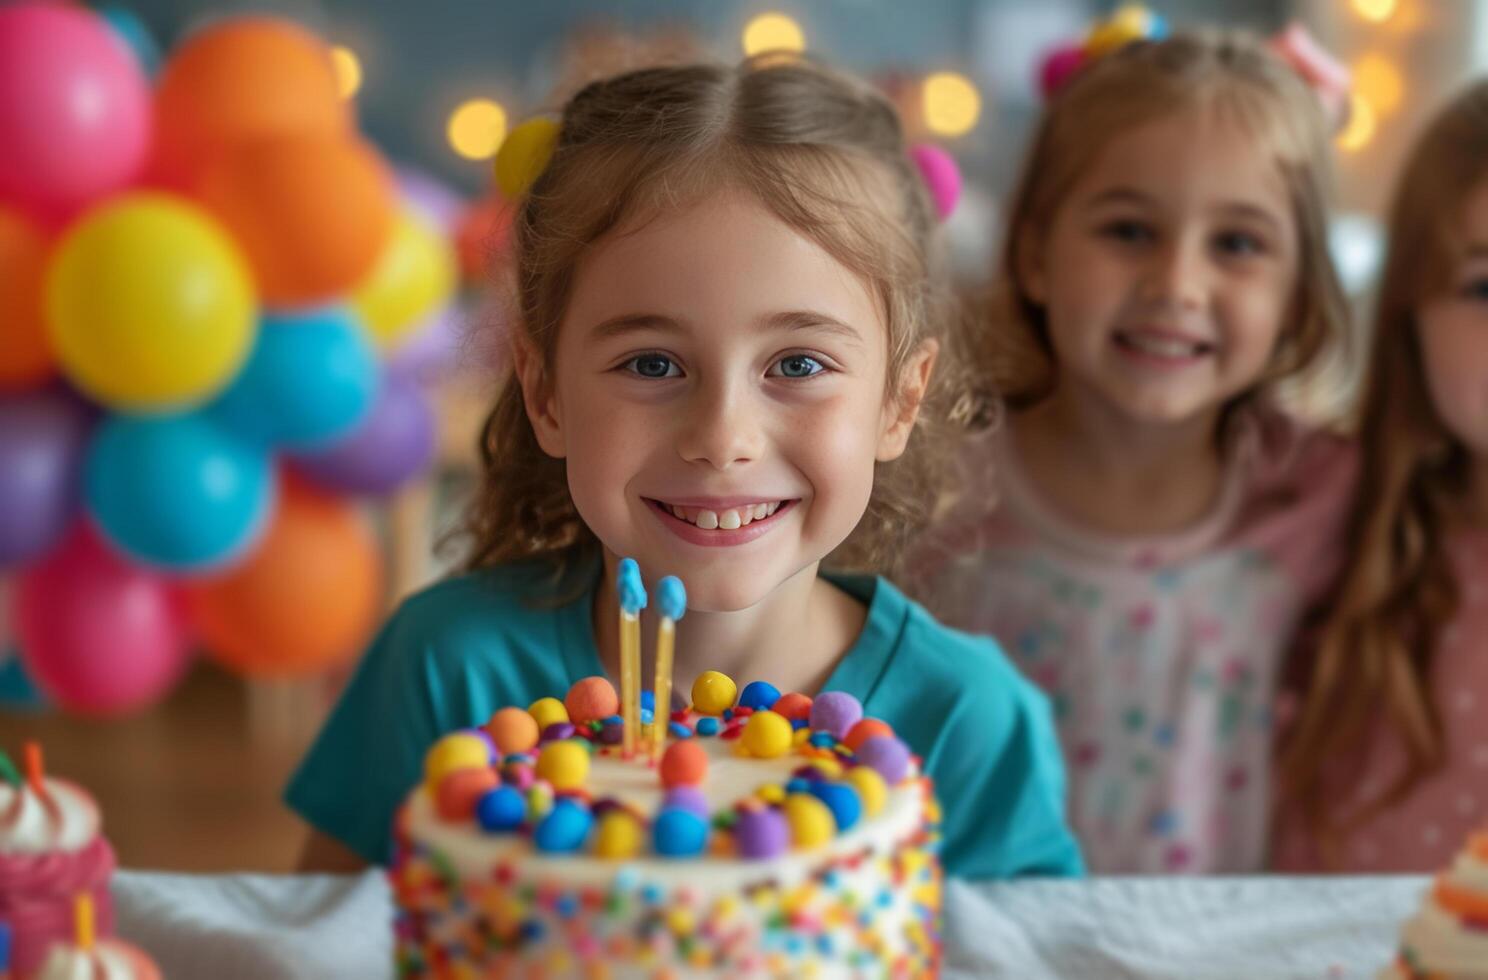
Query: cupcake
{"type": "Point", "coordinates": [1448, 938]}
{"type": "Point", "coordinates": [84, 957]}
{"type": "Point", "coordinates": [51, 851]}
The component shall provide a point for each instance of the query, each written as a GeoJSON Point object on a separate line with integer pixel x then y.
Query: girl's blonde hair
{"type": "Point", "coordinates": [1230, 75]}
{"type": "Point", "coordinates": [1372, 659]}
{"type": "Point", "coordinates": [822, 152]}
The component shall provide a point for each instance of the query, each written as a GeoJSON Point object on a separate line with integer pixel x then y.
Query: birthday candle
{"type": "Point", "coordinates": [632, 601]}
{"type": "Point", "coordinates": [82, 919]}
{"type": "Point", "coordinates": [36, 779]}
{"type": "Point", "coordinates": [671, 599]}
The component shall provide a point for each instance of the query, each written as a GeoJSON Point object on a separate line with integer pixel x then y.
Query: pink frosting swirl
{"type": "Point", "coordinates": [36, 897]}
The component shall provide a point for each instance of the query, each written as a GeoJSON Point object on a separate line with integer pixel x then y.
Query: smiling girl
{"type": "Point", "coordinates": [1147, 529]}
{"type": "Point", "coordinates": [729, 311]}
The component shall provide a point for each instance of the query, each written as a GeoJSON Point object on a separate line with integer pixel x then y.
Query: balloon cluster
{"type": "Point", "coordinates": [1129, 22]}
{"type": "Point", "coordinates": [206, 281]}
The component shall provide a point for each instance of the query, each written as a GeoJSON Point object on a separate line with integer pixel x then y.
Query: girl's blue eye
{"type": "Point", "coordinates": [653, 366]}
{"type": "Point", "coordinates": [1238, 243]}
{"type": "Point", "coordinates": [798, 366]}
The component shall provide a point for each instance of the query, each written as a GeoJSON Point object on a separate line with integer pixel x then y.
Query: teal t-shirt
{"type": "Point", "coordinates": [455, 653]}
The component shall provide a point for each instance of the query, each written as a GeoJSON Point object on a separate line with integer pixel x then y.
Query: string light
{"type": "Point", "coordinates": [348, 70]}
{"type": "Point", "coordinates": [773, 32]}
{"type": "Point", "coordinates": [1362, 125]}
{"type": "Point", "coordinates": [1379, 81]}
{"type": "Point", "coordinates": [1377, 11]}
{"type": "Point", "coordinates": [951, 103]}
{"type": "Point", "coordinates": [476, 129]}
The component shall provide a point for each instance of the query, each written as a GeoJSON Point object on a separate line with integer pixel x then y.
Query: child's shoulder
{"type": "Point", "coordinates": [1287, 450]}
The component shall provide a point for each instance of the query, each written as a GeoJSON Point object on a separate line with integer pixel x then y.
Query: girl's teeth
{"type": "Point", "coordinates": [772, 508]}
{"type": "Point", "coordinates": [729, 520]}
{"type": "Point", "coordinates": [760, 511]}
{"type": "Point", "coordinates": [746, 516]}
{"type": "Point", "coordinates": [707, 520]}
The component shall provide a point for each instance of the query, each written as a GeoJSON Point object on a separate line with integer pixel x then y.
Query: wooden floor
{"type": "Point", "coordinates": [194, 783]}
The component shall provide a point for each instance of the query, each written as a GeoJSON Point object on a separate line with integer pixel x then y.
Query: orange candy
{"type": "Point", "coordinates": [513, 730]}
{"type": "Point", "coordinates": [863, 730]}
{"type": "Point", "coordinates": [684, 764]}
{"type": "Point", "coordinates": [792, 706]}
{"type": "Point", "coordinates": [591, 699]}
{"type": "Point", "coordinates": [242, 79]}
{"type": "Point", "coordinates": [311, 213]}
{"type": "Point", "coordinates": [462, 789]}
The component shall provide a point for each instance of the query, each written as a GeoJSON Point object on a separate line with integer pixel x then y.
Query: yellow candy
{"type": "Point", "coordinates": [830, 767]}
{"type": "Point", "coordinates": [547, 711]}
{"type": "Point", "coordinates": [767, 735]}
{"type": "Point", "coordinates": [811, 823]}
{"type": "Point", "coordinates": [681, 921]}
{"type": "Point", "coordinates": [800, 737]}
{"type": "Point", "coordinates": [1129, 23]}
{"type": "Point", "coordinates": [872, 789]}
{"type": "Point", "coordinates": [564, 764]}
{"type": "Point", "coordinates": [524, 155]}
{"type": "Point", "coordinates": [771, 793]}
{"type": "Point", "coordinates": [457, 751]}
{"type": "Point", "coordinates": [713, 693]}
{"type": "Point", "coordinates": [618, 836]}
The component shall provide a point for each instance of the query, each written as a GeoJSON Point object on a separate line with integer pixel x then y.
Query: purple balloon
{"type": "Point", "coordinates": [42, 437]}
{"type": "Point", "coordinates": [394, 444]}
{"type": "Point", "coordinates": [430, 197]}
{"type": "Point", "coordinates": [432, 352]}
{"type": "Point", "coordinates": [687, 798]}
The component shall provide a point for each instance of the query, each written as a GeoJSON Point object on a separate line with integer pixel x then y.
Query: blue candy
{"type": "Point", "coordinates": [707, 726]}
{"type": "Point", "coordinates": [628, 584]}
{"type": "Point", "coordinates": [679, 833]}
{"type": "Point", "coordinates": [671, 597]}
{"type": "Point", "coordinates": [759, 695]}
{"type": "Point", "coordinates": [502, 809]}
{"type": "Point", "coordinates": [563, 830]}
{"type": "Point", "coordinates": [679, 730]}
{"type": "Point", "coordinates": [648, 700]}
{"type": "Point", "coordinates": [842, 800]}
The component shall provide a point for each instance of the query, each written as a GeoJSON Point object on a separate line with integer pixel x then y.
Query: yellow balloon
{"type": "Point", "coordinates": [149, 304]}
{"type": "Point", "coordinates": [415, 276]}
{"type": "Point", "coordinates": [524, 154]}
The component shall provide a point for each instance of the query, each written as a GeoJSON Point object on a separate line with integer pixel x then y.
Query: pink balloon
{"type": "Point", "coordinates": [1059, 66]}
{"type": "Point", "coordinates": [74, 107]}
{"type": "Point", "coordinates": [941, 175]}
{"type": "Point", "coordinates": [98, 635]}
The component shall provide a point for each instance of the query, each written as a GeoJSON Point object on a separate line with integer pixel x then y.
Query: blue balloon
{"type": "Point", "coordinates": [312, 378]}
{"type": "Point", "coordinates": [176, 491]}
{"type": "Point", "coordinates": [135, 35]}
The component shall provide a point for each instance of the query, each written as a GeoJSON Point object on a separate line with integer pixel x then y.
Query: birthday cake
{"type": "Point", "coordinates": [747, 833]}
{"type": "Point", "coordinates": [51, 850]}
{"type": "Point", "coordinates": [1448, 938]}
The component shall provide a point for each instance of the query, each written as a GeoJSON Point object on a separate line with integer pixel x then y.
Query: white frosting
{"type": "Point", "coordinates": [38, 832]}
{"type": "Point", "coordinates": [68, 962]}
{"type": "Point", "coordinates": [731, 777]}
{"type": "Point", "coordinates": [1438, 940]}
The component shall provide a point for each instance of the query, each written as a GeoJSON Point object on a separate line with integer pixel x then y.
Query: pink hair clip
{"type": "Point", "coordinates": [1328, 77]}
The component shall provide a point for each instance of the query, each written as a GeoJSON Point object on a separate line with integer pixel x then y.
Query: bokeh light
{"type": "Point", "coordinates": [348, 70]}
{"type": "Point", "coordinates": [1362, 124]}
{"type": "Point", "coordinates": [1379, 81]}
{"type": "Point", "coordinates": [773, 32]}
{"type": "Point", "coordinates": [1377, 11]}
{"type": "Point", "coordinates": [951, 103]}
{"type": "Point", "coordinates": [476, 129]}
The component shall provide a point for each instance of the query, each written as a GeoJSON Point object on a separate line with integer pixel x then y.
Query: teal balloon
{"type": "Point", "coordinates": [126, 24]}
{"type": "Point", "coordinates": [177, 492]}
{"type": "Point", "coordinates": [311, 379]}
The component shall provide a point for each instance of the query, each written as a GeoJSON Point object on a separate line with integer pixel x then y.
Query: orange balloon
{"type": "Point", "coordinates": [311, 213]}
{"type": "Point", "coordinates": [304, 601]}
{"type": "Point", "coordinates": [243, 79]}
{"type": "Point", "coordinates": [26, 357]}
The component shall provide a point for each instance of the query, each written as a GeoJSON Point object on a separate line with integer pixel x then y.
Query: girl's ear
{"type": "Point", "coordinates": [538, 396]}
{"type": "Point", "coordinates": [1028, 265]}
{"type": "Point", "coordinates": [900, 412]}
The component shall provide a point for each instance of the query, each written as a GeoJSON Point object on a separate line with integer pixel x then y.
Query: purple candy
{"type": "Point", "coordinates": [687, 798]}
{"type": "Point", "coordinates": [809, 772]}
{"type": "Point", "coordinates": [762, 833]}
{"type": "Point", "coordinates": [519, 776]}
{"type": "Point", "coordinates": [605, 805]}
{"type": "Point", "coordinates": [612, 734]}
{"type": "Point", "coordinates": [558, 731]}
{"type": "Point", "coordinates": [887, 756]}
{"type": "Point", "coordinates": [835, 712]}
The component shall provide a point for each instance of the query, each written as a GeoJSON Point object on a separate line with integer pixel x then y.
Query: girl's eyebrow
{"type": "Point", "coordinates": [1235, 208]}
{"type": "Point", "coordinates": [793, 320]}
{"type": "Point", "coordinates": [788, 321]}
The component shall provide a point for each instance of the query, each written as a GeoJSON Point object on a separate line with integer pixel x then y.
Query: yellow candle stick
{"type": "Point", "coordinates": [82, 920]}
{"type": "Point", "coordinates": [671, 598]}
{"type": "Point", "coordinates": [632, 595]}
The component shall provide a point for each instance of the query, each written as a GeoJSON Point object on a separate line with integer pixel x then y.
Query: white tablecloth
{"type": "Point", "coordinates": [266, 927]}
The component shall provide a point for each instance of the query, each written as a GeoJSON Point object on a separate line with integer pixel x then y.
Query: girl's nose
{"type": "Point", "coordinates": [721, 427]}
{"type": "Point", "coordinates": [1176, 275]}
